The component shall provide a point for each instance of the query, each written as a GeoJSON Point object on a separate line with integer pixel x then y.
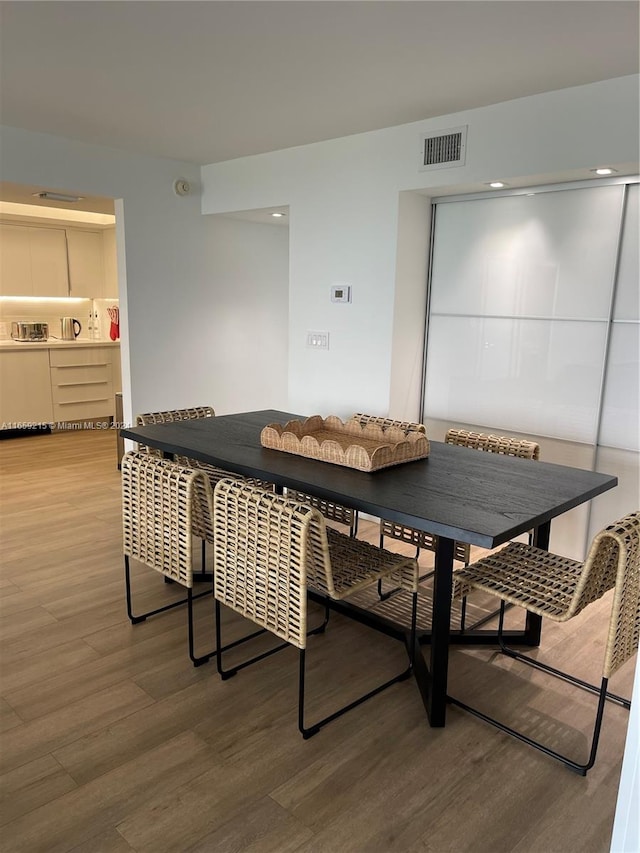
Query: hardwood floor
{"type": "Point", "coordinates": [112, 741]}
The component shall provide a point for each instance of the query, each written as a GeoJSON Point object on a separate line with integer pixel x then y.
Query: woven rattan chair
{"type": "Point", "coordinates": [559, 588]}
{"type": "Point", "coordinates": [389, 422]}
{"type": "Point", "coordinates": [421, 540]}
{"type": "Point", "coordinates": [268, 550]}
{"type": "Point", "coordinates": [163, 505]}
{"type": "Point", "coordinates": [330, 510]}
{"type": "Point", "coordinates": [213, 473]}
{"type": "Point", "coordinates": [172, 415]}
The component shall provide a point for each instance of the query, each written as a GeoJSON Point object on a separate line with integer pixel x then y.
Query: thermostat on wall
{"type": "Point", "coordinates": [341, 293]}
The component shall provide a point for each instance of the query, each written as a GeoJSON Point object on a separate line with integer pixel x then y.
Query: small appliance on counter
{"type": "Point", "coordinates": [70, 328]}
{"type": "Point", "coordinates": [29, 331]}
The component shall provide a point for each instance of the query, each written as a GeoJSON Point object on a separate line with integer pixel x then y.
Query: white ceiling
{"type": "Point", "coordinates": [211, 81]}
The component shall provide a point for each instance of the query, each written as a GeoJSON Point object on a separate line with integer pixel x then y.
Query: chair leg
{"type": "Point", "coordinates": [414, 621]}
{"type": "Point", "coordinates": [383, 596]}
{"type": "Point", "coordinates": [141, 617]}
{"type": "Point", "coordinates": [197, 661]}
{"type": "Point", "coordinates": [323, 625]}
{"type": "Point", "coordinates": [602, 693]}
{"type": "Point", "coordinates": [463, 613]}
{"type": "Point", "coordinates": [202, 574]}
{"type": "Point", "coordinates": [565, 676]}
{"type": "Point", "coordinates": [568, 762]}
{"type": "Point", "coordinates": [484, 619]}
{"type": "Point", "coordinates": [310, 731]}
{"type": "Point", "coordinates": [224, 674]}
{"type": "Point", "coordinates": [228, 673]}
{"type": "Point", "coordinates": [380, 593]}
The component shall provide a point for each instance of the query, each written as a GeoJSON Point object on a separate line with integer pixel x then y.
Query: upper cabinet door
{"type": "Point", "coordinates": [15, 261]}
{"type": "Point", "coordinates": [48, 248]}
{"type": "Point", "coordinates": [33, 261]}
{"type": "Point", "coordinates": [86, 264]}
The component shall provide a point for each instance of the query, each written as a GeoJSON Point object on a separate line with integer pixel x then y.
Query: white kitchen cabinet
{"type": "Point", "coordinates": [33, 261]}
{"type": "Point", "coordinates": [57, 261]}
{"type": "Point", "coordinates": [86, 264]}
{"type": "Point", "coordinates": [25, 388]}
{"type": "Point", "coordinates": [82, 385]}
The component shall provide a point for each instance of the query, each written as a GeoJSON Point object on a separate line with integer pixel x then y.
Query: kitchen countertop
{"type": "Point", "coordinates": [5, 346]}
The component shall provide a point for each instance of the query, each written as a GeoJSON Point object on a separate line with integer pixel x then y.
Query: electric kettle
{"type": "Point", "coordinates": [70, 328]}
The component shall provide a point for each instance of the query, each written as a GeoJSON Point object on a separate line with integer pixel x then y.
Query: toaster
{"type": "Point", "coordinates": [29, 331]}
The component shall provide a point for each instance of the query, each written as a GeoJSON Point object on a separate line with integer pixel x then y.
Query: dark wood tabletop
{"type": "Point", "coordinates": [481, 498]}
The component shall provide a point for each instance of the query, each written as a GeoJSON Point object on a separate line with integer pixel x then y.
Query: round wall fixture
{"type": "Point", "coordinates": [182, 187]}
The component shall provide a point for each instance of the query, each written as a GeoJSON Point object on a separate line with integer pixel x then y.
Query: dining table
{"type": "Point", "coordinates": [457, 494]}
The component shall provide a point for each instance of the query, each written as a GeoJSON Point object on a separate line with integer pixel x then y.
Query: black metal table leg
{"type": "Point", "coordinates": [441, 618]}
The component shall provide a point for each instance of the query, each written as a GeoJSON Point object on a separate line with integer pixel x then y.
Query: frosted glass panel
{"type": "Point", "coordinates": [628, 289]}
{"type": "Point", "coordinates": [621, 410]}
{"type": "Point", "coordinates": [548, 255]}
{"type": "Point", "coordinates": [531, 376]}
{"type": "Point", "coordinates": [615, 503]}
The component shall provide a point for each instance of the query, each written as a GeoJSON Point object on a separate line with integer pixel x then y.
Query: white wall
{"type": "Point", "coordinates": [410, 306]}
{"type": "Point", "coordinates": [244, 314]}
{"type": "Point", "coordinates": [344, 201]}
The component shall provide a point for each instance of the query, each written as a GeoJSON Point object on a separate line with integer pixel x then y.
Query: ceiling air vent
{"type": "Point", "coordinates": [444, 149]}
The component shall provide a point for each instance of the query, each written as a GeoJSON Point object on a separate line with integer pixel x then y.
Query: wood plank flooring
{"type": "Point", "coordinates": [112, 741]}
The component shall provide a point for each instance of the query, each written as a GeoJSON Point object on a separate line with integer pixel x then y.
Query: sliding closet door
{"type": "Point", "coordinates": [619, 436]}
{"type": "Point", "coordinates": [521, 300]}
{"type": "Point", "coordinates": [521, 294]}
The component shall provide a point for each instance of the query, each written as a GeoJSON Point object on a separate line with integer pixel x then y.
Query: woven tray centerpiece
{"type": "Point", "coordinates": [364, 446]}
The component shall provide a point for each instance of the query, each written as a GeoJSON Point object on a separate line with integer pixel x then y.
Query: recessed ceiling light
{"type": "Point", "coordinates": [497, 185]}
{"type": "Point", "coordinates": [604, 170]}
{"type": "Point", "coordinates": [58, 196]}
{"type": "Point", "coordinates": [277, 215]}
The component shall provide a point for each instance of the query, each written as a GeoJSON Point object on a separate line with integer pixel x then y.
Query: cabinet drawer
{"type": "Point", "coordinates": [87, 410]}
{"type": "Point", "coordinates": [69, 357]}
{"type": "Point", "coordinates": [101, 389]}
{"type": "Point", "coordinates": [80, 374]}
{"type": "Point", "coordinates": [81, 383]}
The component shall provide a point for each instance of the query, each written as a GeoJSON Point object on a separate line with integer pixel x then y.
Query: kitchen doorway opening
{"type": "Point", "coordinates": [61, 268]}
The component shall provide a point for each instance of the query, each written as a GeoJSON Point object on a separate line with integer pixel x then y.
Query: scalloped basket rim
{"type": "Point", "coordinates": [275, 436]}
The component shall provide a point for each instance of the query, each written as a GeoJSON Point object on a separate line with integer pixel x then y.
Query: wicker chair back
{"type": "Point", "coordinates": [502, 444]}
{"type": "Point", "coordinates": [262, 551]}
{"type": "Point", "coordinates": [163, 504]}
